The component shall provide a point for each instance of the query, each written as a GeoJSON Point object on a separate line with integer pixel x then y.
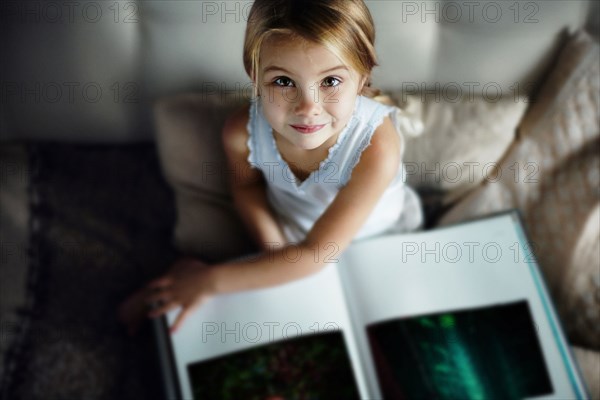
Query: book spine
{"type": "Point", "coordinates": [166, 359]}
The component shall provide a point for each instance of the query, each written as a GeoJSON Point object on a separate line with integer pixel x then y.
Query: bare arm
{"type": "Point", "coordinates": [247, 185]}
{"type": "Point", "coordinates": [336, 227]}
{"type": "Point", "coordinates": [188, 283]}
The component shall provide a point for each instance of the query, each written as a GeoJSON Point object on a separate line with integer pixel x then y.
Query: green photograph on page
{"type": "Point", "coordinates": [307, 367]}
{"type": "Point", "coordinates": [482, 353]}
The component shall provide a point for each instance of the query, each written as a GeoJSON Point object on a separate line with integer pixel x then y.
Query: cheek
{"type": "Point", "coordinates": [274, 110]}
{"type": "Point", "coordinates": [341, 105]}
{"type": "Point", "coordinates": [276, 99]}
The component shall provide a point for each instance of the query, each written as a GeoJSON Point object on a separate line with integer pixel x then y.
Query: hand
{"type": "Point", "coordinates": [186, 284]}
{"type": "Point", "coordinates": [133, 311]}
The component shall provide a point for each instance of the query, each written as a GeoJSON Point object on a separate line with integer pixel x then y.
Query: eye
{"type": "Point", "coordinates": [283, 81]}
{"type": "Point", "coordinates": [330, 81]}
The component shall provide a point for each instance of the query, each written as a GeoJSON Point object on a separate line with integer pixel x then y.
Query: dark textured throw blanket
{"type": "Point", "coordinates": [101, 225]}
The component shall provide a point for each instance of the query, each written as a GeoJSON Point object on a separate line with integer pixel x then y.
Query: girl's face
{"type": "Point", "coordinates": [307, 93]}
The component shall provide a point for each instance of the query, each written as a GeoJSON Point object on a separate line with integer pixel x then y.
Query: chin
{"type": "Point", "coordinates": [308, 145]}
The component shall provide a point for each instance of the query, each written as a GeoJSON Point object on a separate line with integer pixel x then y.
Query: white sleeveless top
{"type": "Point", "coordinates": [299, 204]}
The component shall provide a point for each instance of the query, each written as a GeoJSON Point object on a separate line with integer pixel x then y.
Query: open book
{"type": "Point", "coordinates": [460, 312]}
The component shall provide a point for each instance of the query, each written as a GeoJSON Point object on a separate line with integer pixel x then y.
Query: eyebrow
{"type": "Point", "coordinates": [276, 68]}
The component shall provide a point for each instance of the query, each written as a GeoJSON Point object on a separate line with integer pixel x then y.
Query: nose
{"type": "Point", "coordinates": [307, 104]}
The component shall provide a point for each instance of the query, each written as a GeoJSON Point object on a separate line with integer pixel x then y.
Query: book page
{"type": "Point", "coordinates": [290, 340]}
{"type": "Point", "coordinates": [458, 312]}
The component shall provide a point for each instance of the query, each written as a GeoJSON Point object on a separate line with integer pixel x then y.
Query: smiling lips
{"type": "Point", "coordinates": [307, 128]}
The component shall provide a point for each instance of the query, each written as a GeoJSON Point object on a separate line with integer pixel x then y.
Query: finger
{"type": "Point", "coordinates": [162, 309]}
{"type": "Point", "coordinates": [159, 282]}
{"type": "Point", "coordinates": [180, 318]}
{"type": "Point", "coordinates": [161, 296]}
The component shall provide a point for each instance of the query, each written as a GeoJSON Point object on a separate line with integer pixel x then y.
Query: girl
{"type": "Point", "coordinates": [321, 161]}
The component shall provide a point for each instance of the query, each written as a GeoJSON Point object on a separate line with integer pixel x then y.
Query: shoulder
{"type": "Point", "coordinates": [235, 132]}
{"type": "Point", "coordinates": [373, 108]}
{"type": "Point", "coordinates": [376, 168]}
{"type": "Point", "coordinates": [383, 155]}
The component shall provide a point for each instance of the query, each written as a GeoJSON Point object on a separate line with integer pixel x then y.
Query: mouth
{"type": "Point", "coordinates": [307, 128]}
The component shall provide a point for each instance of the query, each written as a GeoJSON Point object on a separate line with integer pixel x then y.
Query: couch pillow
{"type": "Point", "coordinates": [188, 128]}
{"type": "Point", "coordinates": [463, 139]}
{"type": "Point", "coordinates": [552, 174]}
{"type": "Point", "coordinates": [582, 278]}
{"type": "Point", "coordinates": [589, 365]}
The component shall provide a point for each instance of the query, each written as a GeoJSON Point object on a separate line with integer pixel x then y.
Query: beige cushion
{"type": "Point", "coordinates": [552, 174]}
{"type": "Point", "coordinates": [589, 365]}
{"type": "Point", "coordinates": [579, 292]}
{"type": "Point", "coordinates": [188, 130]}
{"type": "Point", "coordinates": [463, 139]}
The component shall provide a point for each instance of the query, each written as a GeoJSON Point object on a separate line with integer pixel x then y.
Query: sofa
{"type": "Point", "coordinates": [111, 165]}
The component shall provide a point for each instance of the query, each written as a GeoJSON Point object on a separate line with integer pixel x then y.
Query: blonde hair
{"type": "Point", "coordinates": [344, 27]}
